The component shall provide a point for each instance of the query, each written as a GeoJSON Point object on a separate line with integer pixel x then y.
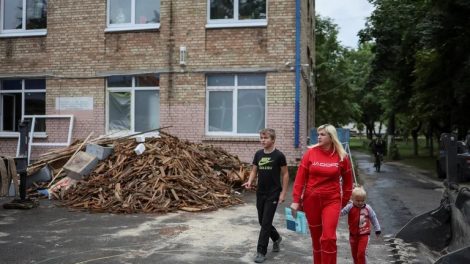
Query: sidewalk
{"type": "Point", "coordinates": [51, 234]}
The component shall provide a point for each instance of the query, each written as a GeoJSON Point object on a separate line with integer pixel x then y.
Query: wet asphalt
{"type": "Point", "coordinates": [398, 192]}
{"type": "Point", "coordinates": [50, 234]}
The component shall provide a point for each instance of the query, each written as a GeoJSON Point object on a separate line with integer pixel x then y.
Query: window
{"type": "Point", "coordinates": [133, 103]}
{"type": "Point", "coordinates": [133, 14]}
{"type": "Point", "coordinates": [238, 13]}
{"type": "Point", "coordinates": [23, 17]}
{"type": "Point", "coordinates": [19, 98]}
{"type": "Point", "coordinates": [235, 104]}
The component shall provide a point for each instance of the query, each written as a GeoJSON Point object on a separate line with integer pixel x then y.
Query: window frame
{"type": "Point", "coordinates": [235, 21]}
{"type": "Point", "coordinates": [132, 91]}
{"type": "Point", "coordinates": [22, 92]}
{"type": "Point", "coordinates": [235, 88]}
{"type": "Point", "coordinates": [20, 32]}
{"type": "Point", "coordinates": [129, 26]}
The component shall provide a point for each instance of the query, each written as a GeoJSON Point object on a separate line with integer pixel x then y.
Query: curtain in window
{"type": "Point", "coordinates": [251, 110]}
{"type": "Point", "coordinates": [119, 111]}
{"type": "Point", "coordinates": [147, 110]}
{"type": "Point", "coordinates": [220, 111]}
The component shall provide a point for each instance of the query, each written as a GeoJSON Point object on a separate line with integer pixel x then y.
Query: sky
{"type": "Point", "coordinates": [349, 15]}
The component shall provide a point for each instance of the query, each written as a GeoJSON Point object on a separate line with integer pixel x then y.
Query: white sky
{"type": "Point", "coordinates": [349, 15]}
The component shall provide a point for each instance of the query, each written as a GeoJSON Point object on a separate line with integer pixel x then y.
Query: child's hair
{"type": "Point", "coordinates": [268, 131]}
{"type": "Point", "coordinates": [359, 192]}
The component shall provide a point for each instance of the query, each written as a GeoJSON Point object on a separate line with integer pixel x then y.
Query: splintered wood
{"type": "Point", "coordinates": [170, 175]}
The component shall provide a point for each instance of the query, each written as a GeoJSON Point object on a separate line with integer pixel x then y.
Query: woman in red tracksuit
{"type": "Point", "coordinates": [317, 187]}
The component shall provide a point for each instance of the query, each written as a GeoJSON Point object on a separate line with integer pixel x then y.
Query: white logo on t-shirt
{"type": "Point", "coordinates": [323, 164]}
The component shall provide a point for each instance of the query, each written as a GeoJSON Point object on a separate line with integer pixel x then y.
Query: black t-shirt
{"type": "Point", "coordinates": [269, 170]}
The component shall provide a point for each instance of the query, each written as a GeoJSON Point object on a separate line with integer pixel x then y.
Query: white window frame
{"type": "Point", "coordinates": [19, 32]}
{"type": "Point", "coordinates": [23, 90]}
{"type": "Point", "coordinates": [132, 25]}
{"type": "Point", "coordinates": [234, 22]}
{"type": "Point", "coordinates": [132, 90]}
{"type": "Point", "coordinates": [234, 89]}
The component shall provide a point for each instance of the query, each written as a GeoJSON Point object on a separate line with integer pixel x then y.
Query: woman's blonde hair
{"type": "Point", "coordinates": [337, 146]}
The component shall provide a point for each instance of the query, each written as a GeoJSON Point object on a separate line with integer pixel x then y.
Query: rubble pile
{"type": "Point", "coordinates": [170, 174]}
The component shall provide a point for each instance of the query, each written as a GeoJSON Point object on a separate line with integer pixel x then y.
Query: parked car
{"type": "Point", "coordinates": [463, 160]}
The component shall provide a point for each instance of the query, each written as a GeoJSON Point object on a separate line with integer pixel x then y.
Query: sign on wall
{"type": "Point", "coordinates": [74, 103]}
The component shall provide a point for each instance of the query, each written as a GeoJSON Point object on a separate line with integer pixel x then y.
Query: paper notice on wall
{"type": "Point", "coordinates": [74, 103]}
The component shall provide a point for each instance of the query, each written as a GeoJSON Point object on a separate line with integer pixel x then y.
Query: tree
{"type": "Point", "coordinates": [443, 66]}
{"type": "Point", "coordinates": [335, 79]}
{"type": "Point", "coordinates": [392, 28]}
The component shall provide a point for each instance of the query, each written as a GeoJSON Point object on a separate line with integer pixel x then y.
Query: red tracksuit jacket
{"type": "Point", "coordinates": [320, 172]}
{"type": "Point", "coordinates": [360, 218]}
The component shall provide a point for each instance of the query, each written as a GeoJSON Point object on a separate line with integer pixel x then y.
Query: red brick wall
{"type": "Point", "coordinates": [77, 53]}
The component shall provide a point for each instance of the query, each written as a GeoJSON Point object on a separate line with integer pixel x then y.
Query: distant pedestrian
{"type": "Point", "coordinates": [270, 165]}
{"type": "Point", "coordinates": [360, 218]}
{"type": "Point", "coordinates": [378, 146]}
{"type": "Point", "coordinates": [317, 189]}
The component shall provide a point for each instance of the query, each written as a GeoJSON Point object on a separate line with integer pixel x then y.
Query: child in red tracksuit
{"type": "Point", "coordinates": [360, 217]}
{"type": "Point", "coordinates": [317, 187]}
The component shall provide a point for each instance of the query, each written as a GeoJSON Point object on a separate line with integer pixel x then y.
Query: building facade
{"type": "Point", "coordinates": [211, 71]}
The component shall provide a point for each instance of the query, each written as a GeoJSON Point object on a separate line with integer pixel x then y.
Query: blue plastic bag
{"type": "Point", "coordinates": [299, 224]}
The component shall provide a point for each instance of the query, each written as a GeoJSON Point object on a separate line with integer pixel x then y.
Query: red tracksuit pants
{"type": "Point", "coordinates": [322, 211]}
{"type": "Point", "coordinates": [358, 248]}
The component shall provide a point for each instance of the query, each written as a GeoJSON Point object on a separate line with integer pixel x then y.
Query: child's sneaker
{"type": "Point", "coordinates": [276, 244]}
{"type": "Point", "coordinates": [260, 258]}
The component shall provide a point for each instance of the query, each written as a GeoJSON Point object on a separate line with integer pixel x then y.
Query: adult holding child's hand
{"type": "Point", "coordinates": [317, 189]}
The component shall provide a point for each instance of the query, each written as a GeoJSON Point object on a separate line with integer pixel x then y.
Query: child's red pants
{"type": "Point", "coordinates": [359, 247]}
{"type": "Point", "coordinates": [322, 211]}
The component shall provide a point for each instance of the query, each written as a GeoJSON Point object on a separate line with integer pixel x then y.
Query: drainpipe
{"type": "Point", "coordinates": [297, 74]}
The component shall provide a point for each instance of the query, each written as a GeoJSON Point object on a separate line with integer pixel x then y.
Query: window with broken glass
{"type": "Point", "coordinates": [19, 98]}
{"type": "Point", "coordinates": [133, 103]}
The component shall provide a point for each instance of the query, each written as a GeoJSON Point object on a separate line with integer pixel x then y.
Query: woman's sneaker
{"type": "Point", "coordinates": [260, 258]}
{"type": "Point", "coordinates": [276, 244]}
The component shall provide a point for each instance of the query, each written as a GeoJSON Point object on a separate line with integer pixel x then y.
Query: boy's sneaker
{"type": "Point", "coordinates": [260, 258]}
{"type": "Point", "coordinates": [276, 244]}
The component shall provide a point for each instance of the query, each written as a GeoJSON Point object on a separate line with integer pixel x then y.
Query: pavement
{"type": "Point", "coordinates": [51, 234]}
{"type": "Point", "coordinates": [398, 193]}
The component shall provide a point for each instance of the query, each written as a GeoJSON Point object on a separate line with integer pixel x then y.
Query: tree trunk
{"type": "Point", "coordinates": [391, 137]}
{"type": "Point", "coordinates": [369, 131]}
{"type": "Point", "coordinates": [414, 134]}
{"type": "Point", "coordinates": [391, 125]}
{"type": "Point", "coordinates": [431, 139]}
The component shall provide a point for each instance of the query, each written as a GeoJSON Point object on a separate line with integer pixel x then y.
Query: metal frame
{"type": "Point", "coordinates": [55, 144]}
{"type": "Point", "coordinates": [348, 150]}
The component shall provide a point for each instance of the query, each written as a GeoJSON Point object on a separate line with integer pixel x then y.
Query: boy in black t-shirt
{"type": "Point", "coordinates": [269, 164]}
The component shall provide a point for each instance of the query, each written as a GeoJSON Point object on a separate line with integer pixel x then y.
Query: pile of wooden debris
{"type": "Point", "coordinates": [169, 175]}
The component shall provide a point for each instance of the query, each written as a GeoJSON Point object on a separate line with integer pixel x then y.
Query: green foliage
{"type": "Point", "coordinates": [340, 76]}
{"type": "Point", "coordinates": [421, 63]}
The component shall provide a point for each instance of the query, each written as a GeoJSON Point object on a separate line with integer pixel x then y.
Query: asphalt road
{"type": "Point", "coordinates": [52, 235]}
{"type": "Point", "coordinates": [398, 193]}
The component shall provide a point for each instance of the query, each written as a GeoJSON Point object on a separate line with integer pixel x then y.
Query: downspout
{"type": "Point", "coordinates": [297, 74]}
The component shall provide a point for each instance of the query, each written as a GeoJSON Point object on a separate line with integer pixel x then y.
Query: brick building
{"type": "Point", "coordinates": [215, 71]}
